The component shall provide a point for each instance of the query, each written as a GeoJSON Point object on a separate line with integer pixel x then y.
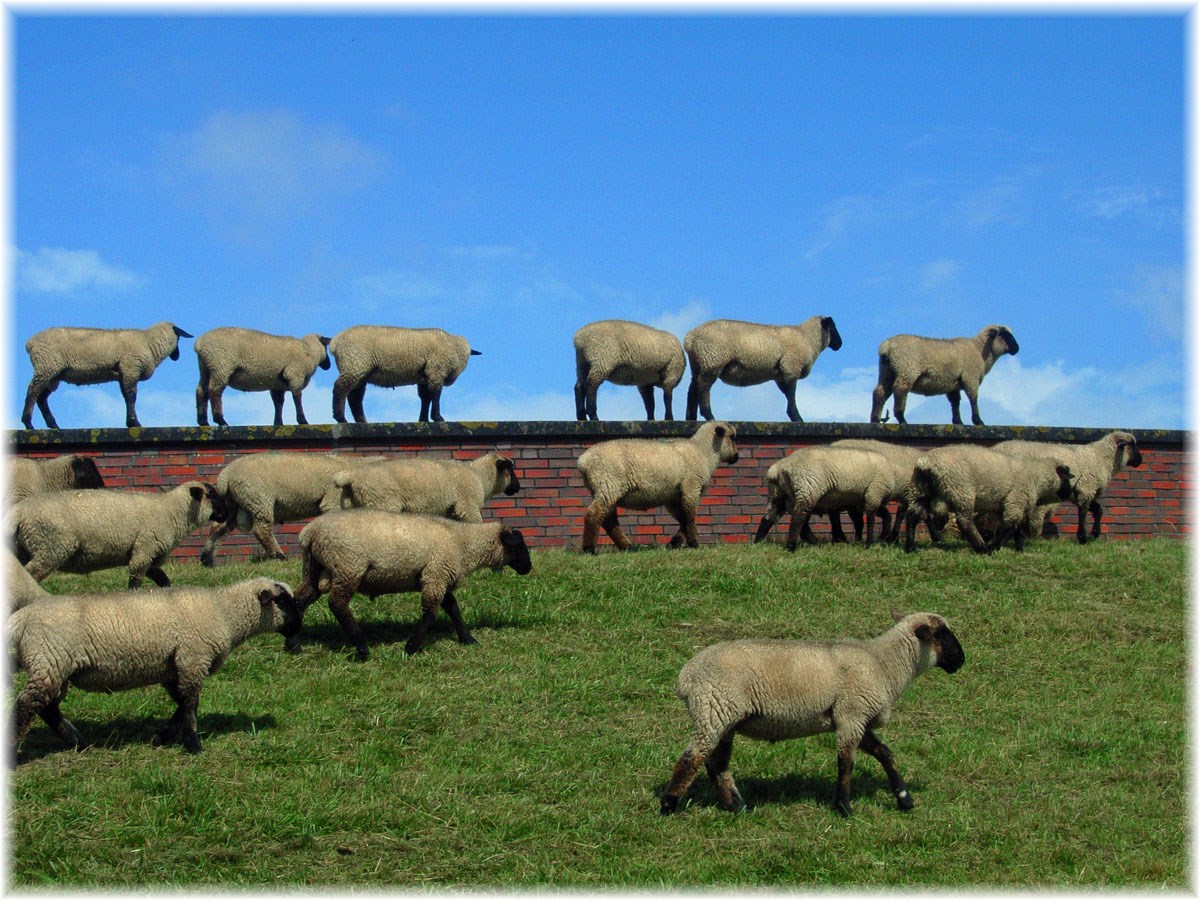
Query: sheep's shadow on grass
{"type": "Point", "coordinates": [383, 632]}
{"type": "Point", "coordinates": [111, 734]}
{"type": "Point", "coordinates": [792, 788]}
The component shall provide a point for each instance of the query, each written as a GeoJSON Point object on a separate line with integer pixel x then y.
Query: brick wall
{"type": "Point", "coordinates": [1144, 502]}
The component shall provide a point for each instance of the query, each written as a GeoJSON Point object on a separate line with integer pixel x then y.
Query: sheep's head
{"type": "Point", "coordinates": [1000, 341]}
{"type": "Point", "coordinates": [203, 493]}
{"type": "Point", "coordinates": [324, 364]}
{"type": "Point", "coordinates": [1064, 482]}
{"type": "Point", "coordinates": [84, 472]}
{"type": "Point", "coordinates": [516, 554]}
{"type": "Point", "coordinates": [723, 444]}
{"type": "Point", "coordinates": [279, 604]}
{"type": "Point", "coordinates": [833, 340]}
{"type": "Point", "coordinates": [506, 476]}
{"type": "Point", "coordinates": [179, 332]}
{"type": "Point", "coordinates": [935, 635]}
{"type": "Point", "coordinates": [1127, 450]}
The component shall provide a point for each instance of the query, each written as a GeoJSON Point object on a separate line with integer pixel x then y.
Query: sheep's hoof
{"type": "Point", "coordinates": [362, 653]}
{"type": "Point", "coordinates": [469, 639]}
{"type": "Point", "coordinates": [191, 743]}
{"type": "Point", "coordinates": [206, 559]}
{"type": "Point", "coordinates": [737, 806]}
{"type": "Point", "coordinates": [843, 808]}
{"type": "Point", "coordinates": [669, 805]}
{"type": "Point", "coordinates": [904, 800]}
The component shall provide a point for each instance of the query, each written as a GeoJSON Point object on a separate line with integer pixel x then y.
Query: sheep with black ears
{"type": "Point", "coordinates": [82, 531]}
{"type": "Point", "coordinates": [113, 642]}
{"type": "Point", "coordinates": [779, 689]}
{"type": "Point", "coordinates": [930, 366]}
{"type": "Point", "coordinates": [626, 353]}
{"type": "Point", "coordinates": [95, 356]}
{"type": "Point", "coordinates": [1092, 465]}
{"type": "Point", "coordinates": [746, 353]}
{"type": "Point", "coordinates": [60, 473]}
{"type": "Point", "coordinates": [642, 473]}
{"type": "Point", "coordinates": [250, 360]}
{"type": "Point", "coordinates": [375, 552]}
{"type": "Point", "coordinates": [451, 488]}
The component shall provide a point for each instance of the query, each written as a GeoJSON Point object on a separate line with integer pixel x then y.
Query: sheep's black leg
{"type": "Point", "coordinates": [973, 396]}
{"type": "Point", "coordinates": [277, 402]}
{"type": "Point", "coordinates": [60, 724]}
{"type": "Point", "coordinates": [202, 398]}
{"type": "Point", "coordinates": [770, 517]}
{"type": "Point", "coordinates": [158, 576]}
{"type": "Point", "coordinates": [684, 773]}
{"type": "Point", "coordinates": [435, 404]}
{"type": "Point", "coordinates": [878, 749]}
{"type": "Point", "coordinates": [845, 769]}
{"type": "Point", "coordinates": [356, 397]}
{"type": "Point", "coordinates": [217, 399]}
{"type": "Point", "coordinates": [667, 414]}
{"type": "Point", "coordinates": [955, 398]}
{"type": "Point", "coordinates": [704, 396]}
{"type": "Point", "coordinates": [879, 396]}
{"type": "Point", "coordinates": [339, 604]}
{"type": "Point", "coordinates": [789, 391]}
{"type": "Point", "coordinates": [296, 402]}
{"type": "Point", "coordinates": [590, 391]}
{"type": "Point", "coordinates": [796, 527]}
{"type": "Point", "coordinates": [717, 765]}
{"type": "Point", "coordinates": [1097, 512]}
{"type": "Point", "coordinates": [450, 605]}
{"type": "Point", "coordinates": [423, 395]}
{"type": "Point", "coordinates": [129, 392]}
{"type": "Point", "coordinates": [837, 535]}
{"type": "Point", "coordinates": [685, 514]}
{"type": "Point", "coordinates": [693, 400]}
{"type": "Point", "coordinates": [966, 527]}
{"type": "Point", "coordinates": [899, 402]}
{"type": "Point", "coordinates": [647, 392]}
{"type": "Point", "coordinates": [342, 386]}
{"type": "Point", "coordinates": [580, 396]}
{"type": "Point", "coordinates": [431, 602]}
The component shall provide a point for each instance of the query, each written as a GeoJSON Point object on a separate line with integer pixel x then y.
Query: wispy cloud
{"type": "Point", "coordinates": [681, 321]}
{"type": "Point", "coordinates": [54, 270]}
{"type": "Point", "coordinates": [1158, 294]}
{"type": "Point", "coordinates": [842, 215]}
{"type": "Point", "coordinates": [1144, 204]}
{"type": "Point", "coordinates": [938, 274]}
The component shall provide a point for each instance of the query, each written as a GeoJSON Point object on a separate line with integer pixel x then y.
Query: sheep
{"type": "Point", "coordinates": [626, 353]}
{"type": "Point", "coordinates": [114, 642]}
{"type": "Point", "coordinates": [252, 360]}
{"type": "Point", "coordinates": [903, 460]}
{"type": "Point", "coordinates": [82, 531]}
{"type": "Point", "coordinates": [35, 476]}
{"type": "Point", "coordinates": [930, 366]}
{"type": "Point", "coordinates": [642, 473]}
{"type": "Point", "coordinates": [779, 689]}
{"type": "Point", "coordinates": [377, 552]}
{"type": "Point", "coordinates": [827, 479]}
{"type": "Point", "coordinates": [389, 357]}
{"type": "Point", "coordinates": [967, 480]}
{"type": "Point", "coordinates": [22, 589]}
{"type": "Point", "coordinates": [745, 353]}
{"type": "Point", "coordinates": [263, 489]}
{"type": "Point", "coordinates": [95, 356]}
{"type": "Point", "coordinates": [1093, 465]}
{"type": "Point", "coordinates": [438, 487]}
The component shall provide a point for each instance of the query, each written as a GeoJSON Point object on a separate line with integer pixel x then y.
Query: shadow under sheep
{"type": "Point", "coordinates": [793, 788]}
{"type": "Point", "coordinates": [383, 632]}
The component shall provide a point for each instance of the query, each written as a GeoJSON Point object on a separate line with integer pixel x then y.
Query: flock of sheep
{"type": "Point", "coordinates": [386, 525]}
{"type": "Point", "coordinates": [614, 350]}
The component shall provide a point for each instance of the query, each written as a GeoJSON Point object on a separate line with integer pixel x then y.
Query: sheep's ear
{"type": "Point", "coordinates": [897, 615]}
{"type": "Point", "coordinates": [504, 463]}
{"type": "Point", "coordinates": [511, 537]}
{"type": "Point", "coordinates": [719, 431]}
{"type": "Point", "coordinates": [266, 597]}
{"type": "Point", "coordinates": [197, 493]}
{"type": "Point", "coordinates": [179, 332]}
{"type": "Point", "coordinates": [924, 632]}
{"type": "Point", "coordinates": [1063, 471]}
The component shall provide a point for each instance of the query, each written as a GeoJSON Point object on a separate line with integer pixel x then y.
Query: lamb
{"type": "Point", "coordinates": [626, 353]}
{"type": "Point", "coordinates": [60, 473]}
{"type": "Point", "coordinates": [778, 689]}
{"type": "Point", "coordinates": [263, 489]}
{"type": "Point", "coordinates": [252, 360]}
{"type": "Point", "coordinates": [930, 366]}
{"type": "Point", "coordinates": [828, 479]}
{"type": "Point", "coordinates": [966, 480]}
{"type": "Point", "coordinates": [389, 357]}
{"type": "Point", "coordinates": [642, 473]}
{"type": "Point", "coordinates": [82, 531]}
{"type": "Point", "coordinates": [1093, 465]}
{"type": "Point", "coordinates": [745, 353]}
{"type": "Point", "coordinates": [438, 487]}
{"type": "Point", "coordinates": [376, 552]}
{"type": "Point", "coordinates": [114, 642]}
{"type": "Point", "coordinates": [95, 356]}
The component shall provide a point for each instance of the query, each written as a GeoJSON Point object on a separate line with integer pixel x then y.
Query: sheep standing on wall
{"type": "Point", "coordinates": [745, 353]}
{"type": "Point", "coordinates": [930, 366]}
{"type": "Point", "coordinates": [1092, 466]}
{"type": "Point", "coordinates": [114, 642]}
{"type": "Point", "coordinates": [626, 353]}
{"type": "Point", "coordinates": [82, 531]}
{"type": "Point", "coordinates": [250, 360]}
{"type": "Point", "coordinates": [775, 690]}
{"type": "Point", "coordinates": [261, 490]}
{"type": "Point", "coordinates": [389, 357]}
{"type": "Point", "coordinates": [643, 473]}
{"type": "Point", "coordinates": [96, 356]}
{"type": "Point", "coordinates": [966, 481]}
{"type": "Point", "coordinates": [437, 487]}
{"type": "Point", "coordinates": [27, 477]}
{"type": "Point", "coordinates": [376, 552]}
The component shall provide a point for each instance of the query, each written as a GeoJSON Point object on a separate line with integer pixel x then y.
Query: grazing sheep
{"type": "Point", "coordinates": [828, 479]}
{"type": "Point", "coordinates": [1093, 465]}
{"type": "Point", "coordinates": [82, 531]}
{"type": "Point", "coordinates": [114, 642]}
{"type": "Point", "coordinates": [22, 589]}
{"type": "Point", "coordinates": [626, 353]}
{"type": "Point", "coordinates": [263, 489]}
{"type": "Point", "coordinates": [965, 480]}
{"type": "Point", "coordinates": [389, 357]}
{"type": "Point", "coordinates": [60, 473]}
{"type": "Point", "coordinates": [930, 366]}
{"type": "Point", "coordinates": [437, 487]}
{"type": "Point", "coordinates": [745, 353]}
{"type": "Point", "coordinates": [775, 690]}
{"type": "Point", "coordinates": [95, 356]}
{"type": "Point", "coordinates": [376, 552]}
{"type": "Point", "coordinates": [642, 473]}
{"type": "Point", "coordinates": [250, 360]}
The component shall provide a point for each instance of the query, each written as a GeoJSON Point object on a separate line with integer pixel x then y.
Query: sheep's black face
{"type": "Point", "coordinates": [1064, 482]}
{"type": "Point", "coordinates": [516, 554]}
{"type": "Point", "coordinates": [85, 473]}
{"type": "Point", "coordinates": [835, 337]}
{"type": "Point", "coordinates": [1133, 456]}
{"type": "Point", "coordinates": [175, 352]}
{"type": "Point", "coordinates": [506, 466]}
{"type": "Point", "coordinates": [324, 364]}
{"type": "Point", "coordinates": [293, 618]}
{"type": "Point", "coordinates": [220, 509]}
{"type": "Point", "coordinates": [1009, 342]}
{"type": "Point", "coordinates": [950, 654]}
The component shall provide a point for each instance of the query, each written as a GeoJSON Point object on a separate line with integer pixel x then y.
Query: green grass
{"type": "Point", "coordinates": [1056, 756]}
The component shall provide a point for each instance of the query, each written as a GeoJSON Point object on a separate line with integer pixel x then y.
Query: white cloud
{"type": "Point", "coordinates": [1147, 205]}
{"type": "Point", "coordinates": [1159, 295]}
{"type": "Point", "coordinates": [54, 270]}
{"type": "Point", "coordinates": [938, 274]}
{"type": "Point", "coordinates": [842, 214]}
{"type": "Point", "coordinates": [681, 321]}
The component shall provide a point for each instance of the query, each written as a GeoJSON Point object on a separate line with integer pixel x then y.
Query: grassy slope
{"type": "Point", "coordinates": [1056, 756]}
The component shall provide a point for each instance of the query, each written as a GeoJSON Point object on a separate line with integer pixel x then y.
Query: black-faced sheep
{"type": "Point", "coordinates": [643, 473]}
{"type": "Point", "coordinates": [775, 690]}
{"type": "Point", "coordinates": [113, 642]}
{"type": "Point", "coordinates": [60, 473]}
{"type": "Point", "coordinates": [96, 356]}
{"type": "Point", "coordinates": [250, 360]}
{"type": "Point", "coordinates": [930, 366]}
{"type": "Point", "coordinates": [375, 552]}
{"type": "Point", "coordinates": [626, 353]}
{"type": "Point", "coordinates": [746, 353]}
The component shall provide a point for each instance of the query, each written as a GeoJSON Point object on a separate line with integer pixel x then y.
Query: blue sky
{"type": "Point", "coordinates": [511, 178]}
